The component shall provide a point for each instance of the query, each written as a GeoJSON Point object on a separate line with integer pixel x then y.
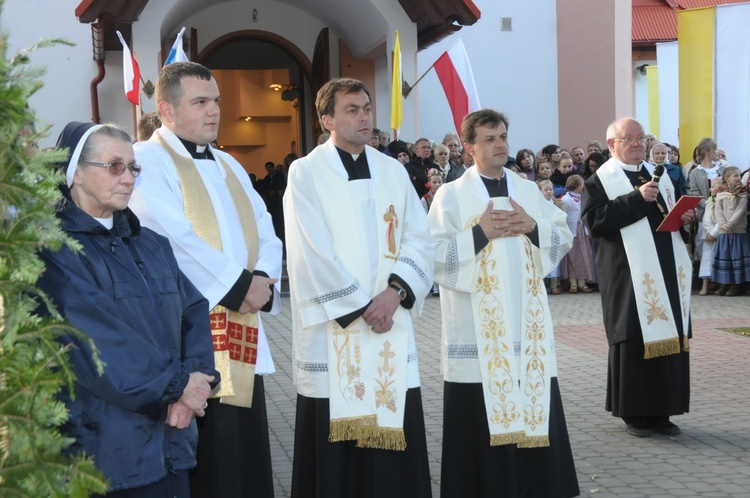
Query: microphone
{"type": "Point", "coordinates": [658, 171]}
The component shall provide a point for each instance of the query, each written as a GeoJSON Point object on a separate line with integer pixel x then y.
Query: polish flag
{"type": "Point", "coordinates": [131, 73]}
{"type": "Point", "coordinates": [454, 71]}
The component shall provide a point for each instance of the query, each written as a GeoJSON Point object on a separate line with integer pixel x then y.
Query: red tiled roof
{"type": "Point", "coordinates": [656, 20]}
{"type": "Point", "coordinates": [654, 23]}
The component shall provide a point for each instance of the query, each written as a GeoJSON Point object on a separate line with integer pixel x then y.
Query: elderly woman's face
{"type": "Point", "coordinates": [95, 189]}
{"type": "Point", "coordinates": [660, 155]}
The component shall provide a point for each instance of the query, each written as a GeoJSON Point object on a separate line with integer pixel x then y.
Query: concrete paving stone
{"type": "Point", "coordinates": [731, 488]}
{"type": "Point", "coordinates": [667, 484]}
{"type": "Point", "coordinates": [701, 486]}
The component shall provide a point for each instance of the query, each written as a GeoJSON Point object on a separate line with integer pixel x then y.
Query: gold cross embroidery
{"type": "Point", "coordinates": [387, 354]}
{"type": "Point", "coordinates": [648, 282]}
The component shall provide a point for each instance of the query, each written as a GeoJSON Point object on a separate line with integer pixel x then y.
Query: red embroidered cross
{"type": "Point", "coordinates": [243, 343]}
{"type": "Point", "coordinates": [220, 342]}
{"type": "Point", "coordinates": [218, 321]}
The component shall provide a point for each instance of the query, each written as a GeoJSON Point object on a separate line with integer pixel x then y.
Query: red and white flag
{"type": "Point", "coordinates": [454, 71]}
{"type": "Point", "coordinates": [131, 73]}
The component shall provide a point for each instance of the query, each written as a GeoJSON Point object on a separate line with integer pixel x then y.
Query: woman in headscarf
{"type": "Point", "coordinates": [124, 290]}
{"type": "Point", "coordinates": [659, 155]}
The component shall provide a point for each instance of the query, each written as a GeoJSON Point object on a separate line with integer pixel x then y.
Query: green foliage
{"type": "Point", "coordinates": [34, 365]}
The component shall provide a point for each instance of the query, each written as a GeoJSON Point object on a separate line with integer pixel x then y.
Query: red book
{"type": "Point", "coordinates": [673, 221]}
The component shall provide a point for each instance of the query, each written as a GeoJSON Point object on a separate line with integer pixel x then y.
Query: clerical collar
{"type": "Point", "coordinates": [358, 169]}
{"type": "Point", "coordinates": [633, 168]}
{"type": "Point", "coordinates": [496, 187]}
{"type": "Point", "coordinates": [196, 151]}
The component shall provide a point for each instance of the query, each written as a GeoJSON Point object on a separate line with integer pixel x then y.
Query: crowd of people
{"type": "Point", "coordinates": [178, 264]}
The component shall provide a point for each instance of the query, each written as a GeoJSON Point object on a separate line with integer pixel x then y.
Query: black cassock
{"type": "Point", "coordinates": [635, 386]}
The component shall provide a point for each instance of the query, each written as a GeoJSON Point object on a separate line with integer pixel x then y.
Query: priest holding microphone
{"type": "Point", "coordinates": [645, 280]}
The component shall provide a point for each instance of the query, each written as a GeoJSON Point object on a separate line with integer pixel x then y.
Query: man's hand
{"type": "Point", "coordinates": [710, 238]}
{"type": "Point", "coordinates": [196, 393]}
{"type": "Point", "coordinates": [688, 217]}
{"type": "Point", "coordinates": [179, 415]}
{"type": "Point", "coordinates": [649, 191]}
{"type": "Point", "coordinates": [258, 294]}
{"type": "Point", "coordinates": [379, 315]}
{"type": "Point", "coordinates": [497, 223]}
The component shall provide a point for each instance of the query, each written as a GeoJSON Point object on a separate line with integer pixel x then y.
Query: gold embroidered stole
{"type": "Point", "coordinates": [658, 326]}
{"type": "Point", "coordinates": [367, 371]}
{"type": "Point", "coordinates": [235, 335]}
{"type": "Point", "coordinates": [516, 382]}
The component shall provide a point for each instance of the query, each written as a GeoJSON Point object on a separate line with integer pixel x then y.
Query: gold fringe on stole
{"type": "Point", "coordinates": [685, 343]}
{"type": "Point", "coordinates": [507, 438]}
{"type": "Point", "coordinates": [664, 347]}
{"type": "Point", "coordinates": [349, 429]}
{"type": "Point", "coordinates": [383, 438]}
{"type": "Point", "coordinates": [534, 442]}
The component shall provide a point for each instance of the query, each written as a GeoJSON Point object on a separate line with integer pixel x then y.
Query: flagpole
{"type": "Point", "coordinates": [406, 89]}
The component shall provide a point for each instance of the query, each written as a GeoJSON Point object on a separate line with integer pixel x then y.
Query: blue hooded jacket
{"type": "Point", "coordinates": [151, 326]}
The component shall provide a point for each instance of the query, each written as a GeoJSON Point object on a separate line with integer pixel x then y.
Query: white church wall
{"type": "Point", "coordinates": [66, 94]}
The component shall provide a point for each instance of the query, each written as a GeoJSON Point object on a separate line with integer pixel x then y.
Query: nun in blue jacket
{"type": "Point", "coordinates": [150, 325]}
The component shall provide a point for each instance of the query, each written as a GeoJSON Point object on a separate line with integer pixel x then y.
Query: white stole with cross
{"type": "Point", "coordinates": [655, 315]}
{"type": "Point", "coordinates": [341, 254]}
{"type": "Point", "coordinates": [497, 325]}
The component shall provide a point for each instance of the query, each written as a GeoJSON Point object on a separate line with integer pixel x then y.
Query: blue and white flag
{"type": "Point", "coordinates": [176, 54]}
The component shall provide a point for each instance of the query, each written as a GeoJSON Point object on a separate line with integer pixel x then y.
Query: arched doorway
{"type": "Point", "coordinates": [267, 107]}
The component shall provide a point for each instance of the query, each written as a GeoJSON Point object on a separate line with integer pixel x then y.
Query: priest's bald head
{"type": "Point", "coordinates": [345, 111]}
{"type": "Point", "coordinates": [626, 141]}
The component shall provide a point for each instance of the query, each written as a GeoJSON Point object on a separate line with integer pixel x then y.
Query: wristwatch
{"type": "Point", "coordinates": [402, 294]}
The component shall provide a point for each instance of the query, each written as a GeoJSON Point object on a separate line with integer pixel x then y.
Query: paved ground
{"type": "Point", "coordinates": [710, 459]}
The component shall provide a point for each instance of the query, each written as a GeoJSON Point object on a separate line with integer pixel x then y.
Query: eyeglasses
{"type": "Point", "coordinates": [631, 141]}
{"type": "Point", "coordinates": [117, 168]}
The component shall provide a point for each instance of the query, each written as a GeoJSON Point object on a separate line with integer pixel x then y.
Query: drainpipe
{"type": "Point", "coordinates": [97, 38]}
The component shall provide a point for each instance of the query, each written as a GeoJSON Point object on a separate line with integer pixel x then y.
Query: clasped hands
{"type": "Point", "coordinates": [193, 401]}
{"type": "Point", "coordinates": [497, 223]}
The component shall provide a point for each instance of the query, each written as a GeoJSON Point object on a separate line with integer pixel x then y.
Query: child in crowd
{"type": "Point", "coordinates": [578, 264]}
{"type": "Point", "coordinates": [543, 171]}
{"type": "Point", "coordinates": [560, 176]}
{"type": "Point", "coordinates": [547, 189]}
{"type": "Point", "coordinates": [732, 252]}
{"type": "Point", "coordinates": [710, 233]}
{"type": "Point", "coordinates": [434, 182]}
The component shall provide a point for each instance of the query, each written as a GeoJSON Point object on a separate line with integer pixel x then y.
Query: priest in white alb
{"type": "Point", "coordinates": [202, 200]}
{"type": "Point", "coordinates": [504, 430]}
{"type": "Point", "coordinates": [360, 260]}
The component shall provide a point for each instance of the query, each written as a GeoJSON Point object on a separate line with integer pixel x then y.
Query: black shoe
{"type": "Point", "coordinates": [666, 428]}
{"type": "Point", "coordinates": [638, 429]}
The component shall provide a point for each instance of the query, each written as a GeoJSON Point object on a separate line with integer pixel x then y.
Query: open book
{"type": "Point", "coordinates": [672, 222]}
